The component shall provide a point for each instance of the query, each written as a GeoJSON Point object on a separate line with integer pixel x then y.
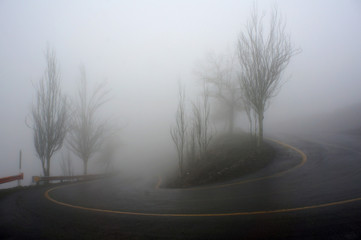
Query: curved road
{"type": "Point", "coordinates": [312, 192]}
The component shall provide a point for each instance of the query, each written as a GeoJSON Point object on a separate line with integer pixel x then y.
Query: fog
{"type": "Point", "coordinates": [143, 48]}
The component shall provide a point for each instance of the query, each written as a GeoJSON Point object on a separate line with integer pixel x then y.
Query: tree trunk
{"type": "Point", "coordinates": [86, 167]}
{"type": "Point", "coordinates": [250, 125]}
{"type": "Point", "coordinates": [47, 168]}
{"type": "Point", "coordinates": [181, 168]}
{"type": "Point", "coordinates": [44, 170]}
{"type": "Point", "coordinates": [260, 130]}
{"type": "Point", "coordinates": [231, 119]}
{"type": "Point", "coordinates": [85, 161]}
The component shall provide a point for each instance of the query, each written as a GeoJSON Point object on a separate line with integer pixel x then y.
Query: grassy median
{"type": "Point", "coordinates": [229, 157]}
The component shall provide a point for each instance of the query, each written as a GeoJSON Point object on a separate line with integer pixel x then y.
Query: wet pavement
{"type": "Point", "coordinates": [286, 200]}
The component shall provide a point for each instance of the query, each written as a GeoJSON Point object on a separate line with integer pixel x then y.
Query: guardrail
{"type": "Point", "coordinates": [38, 179]}
{"type": "Point", "coordinates": [12, 178]}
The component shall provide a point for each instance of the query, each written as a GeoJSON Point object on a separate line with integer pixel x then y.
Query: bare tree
{"type": "Point", "coordinates": [201, 123]}
{"type": "Point", "coordinates": [49, 114]}
{"type": "Point", "coordinates": [178, 132]}
{"type": "Point", "coordinates": [191, 145]}
{"type": "Point", "coordinates": [248, 110]}
{"type": "Point", "coordinates": [87, 132]}
{"type": "Point", "coordinates": [221, 76]}
{"type": "Point", "coordinates": [263, 56]}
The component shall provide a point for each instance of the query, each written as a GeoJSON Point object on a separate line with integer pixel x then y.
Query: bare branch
{"type": "Point", "coordinates": [178, 132]}
{"type": "Point", "coordinates": [49, 114]}
{"type": "Point", "coordinates": [201, 123]}
{"type": "Point", "coordinates": [263, 57]}
{"type": "Point", "coordinates": [87, 132]}
{"type": "Point", "coordinates": [220, 74]}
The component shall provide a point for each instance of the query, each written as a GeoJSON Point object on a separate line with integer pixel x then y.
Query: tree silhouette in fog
{"type": "Point", "coordinates": [263, 53]}
{"type": "Point", "coordinates": [86, 130]}
{"type": "Point", "coordinates": [220, 74]}
{"type": "Point", "coordinates": [49, 114]}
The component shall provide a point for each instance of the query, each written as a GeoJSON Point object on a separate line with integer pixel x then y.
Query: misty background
{"type": "Point", "coordinates": [143, 48]}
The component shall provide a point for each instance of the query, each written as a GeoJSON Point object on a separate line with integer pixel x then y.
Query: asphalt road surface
{"type": "Point", "coordinates": [311, 196]}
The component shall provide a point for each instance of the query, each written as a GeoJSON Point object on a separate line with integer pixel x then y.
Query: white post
{"type": "Point", "coordinates": [19, 181]}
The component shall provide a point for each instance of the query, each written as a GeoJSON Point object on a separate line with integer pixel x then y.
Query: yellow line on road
{"type": "Point", "coordinates": [304, 159]}
{"type": "Point", "coordinates": [200, 214]}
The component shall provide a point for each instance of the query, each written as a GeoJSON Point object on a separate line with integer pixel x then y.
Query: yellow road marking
{"type": "Point", "coordinates": [304, 159]}
{"type": "Point", "coordinates": [201, 214]}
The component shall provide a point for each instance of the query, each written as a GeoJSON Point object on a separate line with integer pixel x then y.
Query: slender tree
{"type": "Point", "coordinates": [49, 114]}
{"type": "Point", "coordinates": [179, 131]}
{"type": "Point", "coordinates": [201, 123]}
{"type": "Point", "coordinates": [87, 132]}
{"type": "Point", "coordinates": [220, 74]}
{"type": "Point", "coordinates": [191, 145]}
{"type": "Point", "coordinates": [263, 55]}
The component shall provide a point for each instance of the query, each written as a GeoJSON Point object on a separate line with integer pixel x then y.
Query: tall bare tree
{"type": "Point", "coordinates": [201, 123]}
{"type": "Point", "coordinates": [49, 114]}
{"type": "Point", "coordinates": [87, 131]}
{"type": "Point", "coordinates": [248, 109]}
{"type": "Point", "coordinates": [179, 131]}
{"type": "Point", "coordinates": [263, 55]}
{"type": "Point", "coordinates": [191, 145]}
{"type": "Point", "coordinates": [220, 73]}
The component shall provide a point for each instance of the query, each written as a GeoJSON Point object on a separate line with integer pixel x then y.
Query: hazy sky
{"type": "Point", "coordinates": [142, 48]}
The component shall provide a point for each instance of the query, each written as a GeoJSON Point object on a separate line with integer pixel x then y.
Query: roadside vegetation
{"type": "Point", "coordinates": [58, 120]}
{"type": "Point", "coordinates": [230, 156]}
{"type": "Point", "coordinates": [243, 82]}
